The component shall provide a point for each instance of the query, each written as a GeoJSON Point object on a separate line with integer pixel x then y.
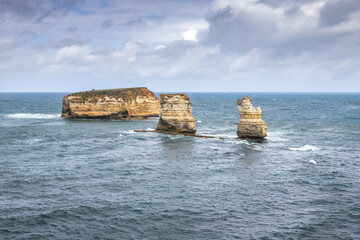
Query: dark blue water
{"type": "Point", "coordinates": [73, 179]}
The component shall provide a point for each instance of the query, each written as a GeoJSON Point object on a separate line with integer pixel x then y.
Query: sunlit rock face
{"type": "Point", "coordinates": [121, 103]}
{"type": "Point", "coordinates": [251, 124]}
{"type": "Point", "coordinates": [176, 114]}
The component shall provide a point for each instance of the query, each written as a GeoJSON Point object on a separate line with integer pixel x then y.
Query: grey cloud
{"type": "Point", "coordinates": [27, 35]}
{"type": "Point", "coordinates": [239, 32]}
{"type": "Point", "coordinates": [338, 11]}
{"type": "Point", "coordinates": [107, 23]}
{"type": "Point", "coordinates": [7, 50]}
{"type": "Point", "coordinates": [6, 45]}
{"type": "Point", "coordinates": [72, 29]}
{"type": "Point", "coordinates": [292, 11]}
{"type": "Point", "coordinates": [67, 41]}
{"type": "Point", "coordinates": [36, 9]}
{"type": "Point", "coordinates": [60, 43]}
{"type": "Point", "coordinates": [242, 33]}
{"type": "Point", "coordinates": [134, 22]}
{"type": "Point", "coordinates": [278, 3]}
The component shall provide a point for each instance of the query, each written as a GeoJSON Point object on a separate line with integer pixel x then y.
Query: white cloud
{"type": "Point", "coordinates": [161, 46]}
{"type": "Point", "coordinates": [190, 35]}
{"type": "Point", "coordinates": [70, 52]}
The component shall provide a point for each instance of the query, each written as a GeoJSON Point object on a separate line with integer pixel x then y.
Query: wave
{"type": "Point", "coordinates": [277, 136]}
{"type": "Point", "coordinates": [227, 136]}
{"type": "Point", "coordinates": [32, 141]}
{"type": "Point", "coordinates": [304, 148]}
{"type": "Point", "coordinates": [277, 139]}
{"type": "Point", "coordinates": [245, 142]}
{"type": "Point", "coordinates": [313, 162]}
{"type": "Point", "coordinates": [33, 116]}
{"type": "Point", "coordinates": [127, 132]}
{"type": "Point", "coordinates": [131, 132]}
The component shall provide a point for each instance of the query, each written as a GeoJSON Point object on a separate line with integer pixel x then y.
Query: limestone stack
{"type": "Point", "coordinates": [120, 103]}
{"type": "Point", "coordinates": [251, 124]}
{"type": "Point", "coordinates": [176, 114]}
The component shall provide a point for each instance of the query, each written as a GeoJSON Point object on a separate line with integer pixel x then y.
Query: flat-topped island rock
{"type": "Point", "coordinates": [176, 114]}
{"type": "Point", "coordinates": [120, 103]}
{"type": "Point", "coordinates": [251, 124]}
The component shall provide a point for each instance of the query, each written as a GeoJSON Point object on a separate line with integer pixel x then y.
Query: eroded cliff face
{"type": "Point", "coordinates": [251, 124]}
{"type": "Point", "coordinates": [121, 103]}
{"type": "Point", "coordinates": [176, 114]}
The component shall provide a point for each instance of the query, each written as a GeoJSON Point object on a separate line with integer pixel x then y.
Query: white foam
{"type": "Point", "coordinates": [199, 121]}
{"type": "Point", "coordinates": [238, 142]}
{"type": "Point", "coordinates": [277, 136]}
{"type": "Point", "coordinates": [212, 147]}
{"type": "Point", "coordinates": [256, 147]}
{"type": "Point", "coordinates": [32, 141]}
{"type": "Point", "coordinates": [230, 135]}
{"type": "Point", "coordinates": [313, 162]}
{"type": "Point", "coordinates": [33, 116]}
{"type": "Point", "coordinates": [304, 148]}
{"type": "Point", "coordinates": [277, 139]}
{"type": "Point", "coordinates": [126, 132]}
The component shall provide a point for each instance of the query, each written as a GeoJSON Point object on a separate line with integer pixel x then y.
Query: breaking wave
{"type": "Point", "coordinates": [304, 148]}
{"type": "Point", "coordinates": [33, 116]}
{"type": "Point", "coordinates": [313, 162]}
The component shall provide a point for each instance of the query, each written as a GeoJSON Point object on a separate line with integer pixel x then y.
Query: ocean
{"type": "Point", "coordinates": [95, 179]}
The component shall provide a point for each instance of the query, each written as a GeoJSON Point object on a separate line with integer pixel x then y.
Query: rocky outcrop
{"type": "Point", "coordinates": [176, 114]}
{"type": "Point", "coordinates": [121, 103]}
{"type": "Point", "coordinates": [251, 124]}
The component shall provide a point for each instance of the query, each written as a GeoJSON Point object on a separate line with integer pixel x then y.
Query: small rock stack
{"type": "Point", "coordinates": [251, 124]}
{"type": "Point", "coordinates": [176, 114]}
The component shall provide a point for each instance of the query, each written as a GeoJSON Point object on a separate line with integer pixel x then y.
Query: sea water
{"type": "Point", "coordinates": [95, 179]}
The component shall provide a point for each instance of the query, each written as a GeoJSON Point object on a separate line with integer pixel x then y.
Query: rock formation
{"type": "Point", "coordinates": [121, 103]}
{"type": "Point", "coordinates": [176, 114]}
{"type": "Point", "coordinates": [251, 124]}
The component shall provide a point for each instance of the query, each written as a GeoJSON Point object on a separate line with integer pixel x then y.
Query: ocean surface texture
{"type": "Point", "coordinates": [94, 179]}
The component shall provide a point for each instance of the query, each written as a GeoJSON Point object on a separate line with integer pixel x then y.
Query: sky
{"type": "Point", "coordinates": [180, 46]}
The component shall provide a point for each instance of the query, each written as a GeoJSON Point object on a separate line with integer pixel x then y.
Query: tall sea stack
{"type": "Point", "coordinates": [176, 114]}
{"type": "Point", "coordinates": [120, 103]}
{"type": "Point", "coordinates": [251, 124]}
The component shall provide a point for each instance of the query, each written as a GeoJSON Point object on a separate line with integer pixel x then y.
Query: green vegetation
{"type": "Point", "coordinates": [115, 92]}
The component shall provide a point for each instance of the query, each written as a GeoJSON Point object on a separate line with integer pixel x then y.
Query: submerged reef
{"type": "Point", "coordinates": [251, 124]}
{"type": "Point", "coordinates": [176, 114]}
{"type": "Point", "coordinates": [120, 103]}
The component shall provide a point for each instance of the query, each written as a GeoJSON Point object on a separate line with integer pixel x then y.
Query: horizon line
{"type": "Point", "coordinates": [205, 92]}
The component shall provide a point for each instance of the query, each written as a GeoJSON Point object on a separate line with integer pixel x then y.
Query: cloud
{"type": "Point", "coordinates": [336, 12]}
{"type": "Point", "coordinates": [107, 23]}
{"type": "Point", "coordinates": [36, 9]}
{"type": "Point", "coordinates": [255, 25]}
{"type": "Point", "coordinates": [190, 35]}
{"type": "Point", "coordinates": [245, 45]}
{"type": "Point", "coordinates": [134, 22]}
{"type": "Point", "coordinates": [7, 51]}
{"type": "Point", "coordinates": [70, 52]}
{"type": "Point", "coordinates": [59, 43]}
